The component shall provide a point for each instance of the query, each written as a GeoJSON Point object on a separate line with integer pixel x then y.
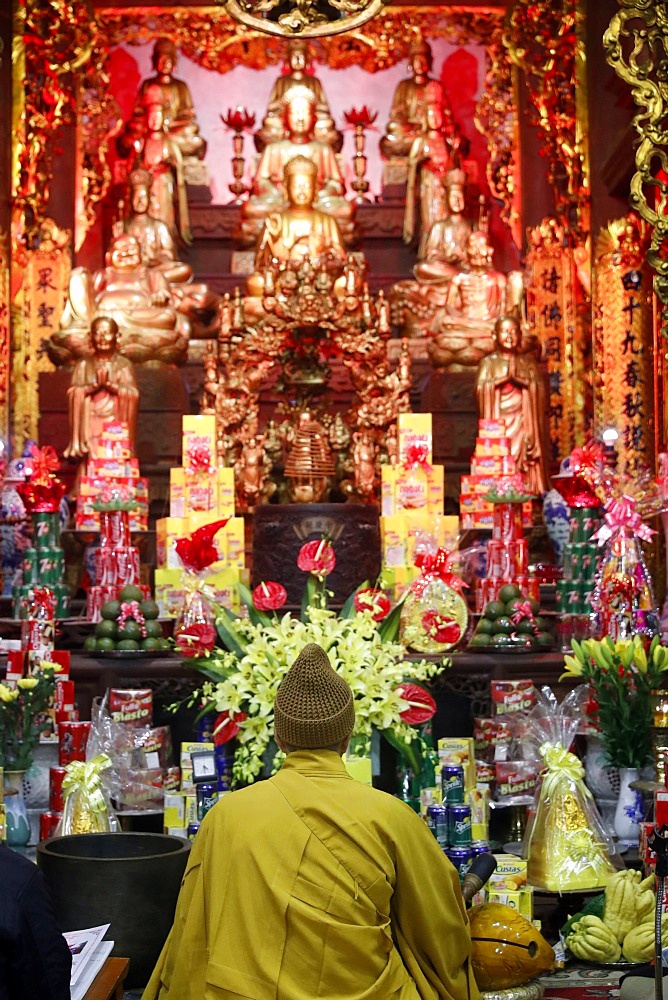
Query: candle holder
{"type": "Point", "coordinates": [238, 120]}
{"type": "Point", "coordinates": [360, 120]}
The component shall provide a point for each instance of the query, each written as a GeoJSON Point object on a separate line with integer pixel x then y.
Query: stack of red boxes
{"type": "Point", "coordinates": [491, 463]}
{"type": "Point", "coordinates": [116, 563]}
{"type": "Point", "coordinates": [507, 556]}
{"type": "Point", "coordinates": [111, 464]}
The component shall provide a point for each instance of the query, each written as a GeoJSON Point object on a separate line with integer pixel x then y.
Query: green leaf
{"type": "Point", "coordinates": [228, 635]}
{"type": "Point", "coordinates": [310, 597]}
{"type": "Point", "coordinates": [389, 627]}
{"type": "Point", "coordinates": [593, 907]}
{"type": "Point", "coordinates": [410, 752]}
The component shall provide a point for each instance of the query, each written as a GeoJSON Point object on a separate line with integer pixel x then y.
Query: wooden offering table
{"type": "Point", "coordinates": [108, 983]}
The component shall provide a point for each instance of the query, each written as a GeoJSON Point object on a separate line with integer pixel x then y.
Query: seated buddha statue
{"type": "Point", "coordinates": [415, 302]}
{"type": "Point", "coordinates": [137, 297]}
{"type": "Point", "coordinates": [156, 246]}
{"type": "Point", "coordinates": [297, 232]}
{"type": "Point", "coordinates": [462, 331]}
{"type": "Point", "coordinates": [408, 114]}
{"type": "Point", "coordinates": [176, 99]}
{"type": "Point", "coordinates": [268, 193]}
{"type": "Point", "coordinates": [103, 388]}
{"type": "Point", "coordinates": [273, 124]}
{"type": "Point", "coordinates": [510, 387]}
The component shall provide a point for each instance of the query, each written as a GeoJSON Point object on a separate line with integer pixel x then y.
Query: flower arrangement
{"type": "Point", "coordinates": [620, 676]}
{"type": "Point", "coordinates": [252, 655]}
{"type": "Point", "coordinates": [115, 496]}
{"type": "Point", "coordinates": [21, 716]}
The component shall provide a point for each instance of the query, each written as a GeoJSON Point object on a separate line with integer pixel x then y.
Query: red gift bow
{"type": "Point", "coordinates": [416, 454]}
{"type": "Point", "coordinates": [43, 597]}
{"type": "Point", "coordinates": [197, 551]}
{"type": "Point", "coordinates": [437, 564]}
{"type": "Point", "coordinates": [620, 515]}
{"type": "Point", "coordinates": [587, 458]}
{"type": "Point", "coordinates": [198, 459]}
{"type": "Point", "coordinates": [522, 610]}
{"type": "Point", "coordinates": [421, 705]}
{"type": "Point", "coordinates": [44, 463]}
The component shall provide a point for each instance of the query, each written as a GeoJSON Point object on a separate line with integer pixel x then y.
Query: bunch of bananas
{"type": "Point", "coordinates": [626, 926]}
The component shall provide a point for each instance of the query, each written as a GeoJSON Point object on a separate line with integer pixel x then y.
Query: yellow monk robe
{"type": "Point", "coordinates": [311, 885]}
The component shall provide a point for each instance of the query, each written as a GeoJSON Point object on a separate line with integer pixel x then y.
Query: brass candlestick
{"type": "Point", "coordinates": [360, 119]}
{"type": "Point", "coordinates": [239, 121]}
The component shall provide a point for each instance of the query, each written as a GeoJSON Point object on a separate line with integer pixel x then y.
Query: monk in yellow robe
{"type": "Point", "coordinates": [312, 884]}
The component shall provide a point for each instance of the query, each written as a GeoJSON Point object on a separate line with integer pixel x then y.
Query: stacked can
{"type": "Point", "coordinates": [43, 565]}
{"type": "Point", "coordinates": [507, 556]}
{"type": "Point", "coordinates": [48, 821]}
{"type": "Point", "coordinates": [580, 563]}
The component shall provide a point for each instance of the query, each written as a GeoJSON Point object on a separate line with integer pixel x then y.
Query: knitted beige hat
{"type": "Point", "coordinates": [314, 705]}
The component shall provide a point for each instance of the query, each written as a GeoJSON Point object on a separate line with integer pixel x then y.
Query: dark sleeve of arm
{"type": "Point", "coordinates": [43, 960]}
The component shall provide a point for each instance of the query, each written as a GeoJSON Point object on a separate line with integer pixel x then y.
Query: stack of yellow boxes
{"type": "Point", "coordinates": [491, 463]}
{"type": "Point", "coordinates": [199, 493]}
{"type": "Point", "coordinates": [111, 464]}
{"type": "Point", "coordinates": [412, 504]}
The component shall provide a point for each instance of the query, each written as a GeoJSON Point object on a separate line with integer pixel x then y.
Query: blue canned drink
{"type": "Point", "coordinates": [204, 729]}
{"type": "Point", "coordinates": [224, 765]}
{"type": "Point", "coordinates": [207, 796]}
{"type": "Point", "coordinates": [452, 784]}
{"type": "Point", "coordinates": [479, 847]}
{"type": "Point", "coordinates": [459, 826]}
{"type": "Point", "coordinates": [437, 821]}
{"type": "Point", "coordinates": [192, 830]}
{"type": "Point", "coordinates": [461, 858]}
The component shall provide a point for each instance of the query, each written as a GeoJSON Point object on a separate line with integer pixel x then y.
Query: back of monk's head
{"type": "Point", "coordinates": [314, 705]}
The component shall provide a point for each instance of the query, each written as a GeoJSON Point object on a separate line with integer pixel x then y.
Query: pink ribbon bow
{"type": "Point", "coordinates": [621, 515]}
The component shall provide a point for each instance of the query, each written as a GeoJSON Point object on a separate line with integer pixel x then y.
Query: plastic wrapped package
{"type": "Point", "coordinates": [87, 808]}
{"type": "Point", "coordinates": [434, 615]}
{"type": "Point", "coordinates": [140, 757]}
{"type": "Point", "coordinates": [566, 845]}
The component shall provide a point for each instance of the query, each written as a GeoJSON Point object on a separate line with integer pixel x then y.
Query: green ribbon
{"type": "Point", "coordinates": [84, 776]}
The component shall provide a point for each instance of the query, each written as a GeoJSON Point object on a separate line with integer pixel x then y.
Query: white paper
{"type": "Point", "coordinates": [96, 960]}
{"type": "Point", "coordinates": [82, 944]}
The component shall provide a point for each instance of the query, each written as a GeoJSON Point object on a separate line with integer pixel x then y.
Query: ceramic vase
{"type": "Point", "coordinates": [16, 818]}
{"type": "Point", "coordinates": [630, 809]}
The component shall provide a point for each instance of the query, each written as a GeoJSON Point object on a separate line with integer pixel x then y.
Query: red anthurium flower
{"type": "Point", "coordinates": [317, 558]}
{"type": "Point", "coordinates": [421, 705]}
{"type": "Point", "coordinates": [372, 600]}
{"type": "Point", "coordinates": [227, 726]}
{"type": "Point", "coordinates": [195, 639]}
{"type": "Point", "coordinates": [269, 596]}
{"type": "Point", "coordinates": [440, 627]}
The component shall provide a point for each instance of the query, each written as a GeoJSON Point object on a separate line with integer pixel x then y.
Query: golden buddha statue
{"type": "Point", "coordinates": [408, 114]}
{"type": "Point", "coordinates": [137, 297]}
{"type": "Point", "coordinates": [161, 157]}
{"type": "Point", "coordinates": [251, 470]}
{"type": "Point", "coordinates": [415, 302]}
{"type": "Point", "coordinates": [509, 387]}
{"type": "Point", "coordinates": [268, 192]}
{"type": "Point", "coordinates": [364, 463]}
{"type": "Point", "coordinates": [273, 125]}
{"type": "Point", "coordinates": [462, 330]}
{"type": "Point", "coordinates": [176, 100]}
{"type": "Point", "coordinates": [428, 162]}
{"type": "Point", "coordinates": [301, 230]}
{"type": "Point", "coordinates": [156, 245]}
{"type": "Point", "coordinates": [103, 388]}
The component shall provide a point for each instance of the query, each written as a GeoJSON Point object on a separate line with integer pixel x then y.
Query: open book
{"type": "Point", "coordinates": [89, 952]}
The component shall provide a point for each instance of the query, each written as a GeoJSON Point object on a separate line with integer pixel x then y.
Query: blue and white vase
{"type": "Point", "coordinates": [16, 813]}
{"type": "Point", "coordinates": [630, 811]}
{"type": "Point", "coordinates": [557, 517]}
